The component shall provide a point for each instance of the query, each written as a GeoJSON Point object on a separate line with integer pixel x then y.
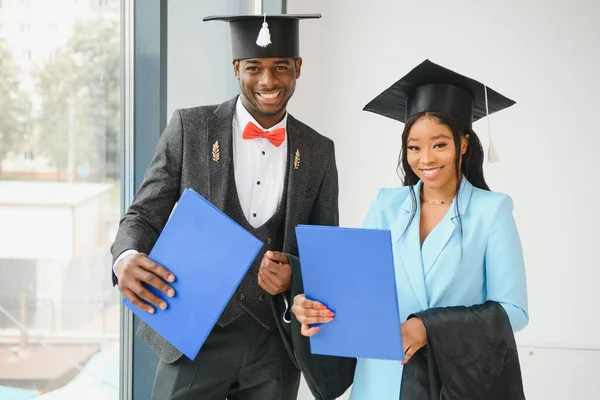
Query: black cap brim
{"type": "Point", "coordinates": [233, 18]}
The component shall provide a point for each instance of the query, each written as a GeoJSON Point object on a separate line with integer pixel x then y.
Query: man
{"type": "Point", "coordinates": [266, 170]}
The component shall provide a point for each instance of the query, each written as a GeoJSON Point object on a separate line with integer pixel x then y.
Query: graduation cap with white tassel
{"type": "Point", "coordinates": [264, 36]}
{"type": "Point", "coordinates": [431, 87]}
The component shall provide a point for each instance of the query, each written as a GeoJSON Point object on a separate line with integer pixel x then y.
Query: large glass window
{"type": "Point", "coordinates": [60, 132]}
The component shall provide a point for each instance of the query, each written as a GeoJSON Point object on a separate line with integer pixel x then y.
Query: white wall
{"type": "Point", "coordinates": [545, 54]}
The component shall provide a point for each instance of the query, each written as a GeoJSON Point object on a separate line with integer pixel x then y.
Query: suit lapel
{"type": "Point", "coordinates": [408, 247]}
{"type": "Point", "coordinates": [299, 157]}
{"type": "Point", "coordinates": [220, 152]}
{"type": "Point", "coordinates": [441, 234]}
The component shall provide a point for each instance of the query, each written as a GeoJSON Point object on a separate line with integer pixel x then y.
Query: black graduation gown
{"type": "Point", "coordinates": [471, 354]}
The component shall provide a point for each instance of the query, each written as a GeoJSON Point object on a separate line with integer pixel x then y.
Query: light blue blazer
{"type": "Point", "coordinates": [486, 264]}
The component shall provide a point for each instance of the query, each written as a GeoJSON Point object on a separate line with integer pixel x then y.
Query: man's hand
{"type": "Point", "coordinates": [275, 273]}
{"type": "Point", "coordinates": [134, 269]}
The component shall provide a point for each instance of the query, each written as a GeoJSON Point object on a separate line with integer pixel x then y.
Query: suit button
{"type": "Point", "coordinates": [260, 297]}
{"type": "Point", "coordinates": [241, 296]}
{"type": "Point", "coordinates": [268, 240]}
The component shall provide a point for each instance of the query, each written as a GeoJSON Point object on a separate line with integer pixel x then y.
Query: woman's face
{"type": "Point", "coordinates": [431, 153]}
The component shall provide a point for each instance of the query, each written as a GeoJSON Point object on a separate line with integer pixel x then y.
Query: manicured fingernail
{"type": "Point", "coordinates": [171, 278]}
{"type": "Point", "coordinates": [151, 310]}
{"type": "Point", "coordinates": [170, 293]}
{"type": "Point", "coordinates": [328, 313]}
{"type": "Point", "coordinates": [328, 319]}
{"type": "Point", "coordinates": [163, 306]}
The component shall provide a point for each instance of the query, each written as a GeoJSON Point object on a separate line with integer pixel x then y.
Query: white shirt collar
{"type": "Point", "coordinates": [242, 117]}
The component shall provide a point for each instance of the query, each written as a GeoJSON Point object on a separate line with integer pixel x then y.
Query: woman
{"type": "Point", "coordinates": [455, 241]}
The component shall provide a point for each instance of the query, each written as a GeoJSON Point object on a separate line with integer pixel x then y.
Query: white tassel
{"type": "Point", "coordinates": [492, 152]}
{"type": "Point", "coordinates": [264, 36]}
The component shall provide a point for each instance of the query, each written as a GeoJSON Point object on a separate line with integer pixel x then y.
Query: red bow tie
{"type": "Point", "coordinates": [276, 136]}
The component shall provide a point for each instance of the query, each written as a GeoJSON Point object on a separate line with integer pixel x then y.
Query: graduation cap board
{"type": "Point", "coordinates": [431, 87]}
{"type": "Point", "coordinates": [264, 36]}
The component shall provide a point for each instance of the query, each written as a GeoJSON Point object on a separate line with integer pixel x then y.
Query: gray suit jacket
{"type": "Point", "coordinates": [186, 157]}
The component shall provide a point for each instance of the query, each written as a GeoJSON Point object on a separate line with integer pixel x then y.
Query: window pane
{"type": "Point", "coordinates": [60, 196]}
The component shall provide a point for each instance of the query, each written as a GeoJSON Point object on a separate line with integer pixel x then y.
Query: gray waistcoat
{"type": "Point", "coordinates": [250, 297]}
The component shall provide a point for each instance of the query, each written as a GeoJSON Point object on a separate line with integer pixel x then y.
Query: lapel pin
{"type": "Point", "coordinates": [216, 152]}
{"type": "Point", "coordinates": [297, 159]}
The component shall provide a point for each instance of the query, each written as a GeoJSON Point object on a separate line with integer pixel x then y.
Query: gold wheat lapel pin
{"type": "Point", "coordinates": [216, 152]}
{"type": "Point", "coordinates": [297, 159]}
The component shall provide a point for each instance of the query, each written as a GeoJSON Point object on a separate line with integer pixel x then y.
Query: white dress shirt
{"type": "Point", "coordinates": [260, 169]}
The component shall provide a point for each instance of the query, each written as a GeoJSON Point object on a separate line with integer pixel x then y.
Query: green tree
{"type": "Point", "coordinates": [79, 90]}
{"type": "Point", "coordinates": [14, 107]}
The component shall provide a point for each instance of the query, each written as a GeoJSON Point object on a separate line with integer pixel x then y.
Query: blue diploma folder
{"type": "Point", "coordinates": [209, 254]}
{"type": "Point", "coordinates": [351, 271]}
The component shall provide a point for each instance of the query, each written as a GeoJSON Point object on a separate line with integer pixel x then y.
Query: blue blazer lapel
{"type": "Point", "coordinates": [441, 234]}
{"type": "Point", "coordinates": [408, 246]}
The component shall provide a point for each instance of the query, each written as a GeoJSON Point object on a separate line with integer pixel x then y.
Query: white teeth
{"type": "Point", "coordinates": [430, 172]}
{"type": "Point", "coordinates": [269, 95]}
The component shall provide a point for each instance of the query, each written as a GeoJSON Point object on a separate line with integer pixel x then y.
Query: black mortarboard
{"type": "Point", "coordinates": [431, 87]}
{"type": "Point", "coordinates": [264, 36]}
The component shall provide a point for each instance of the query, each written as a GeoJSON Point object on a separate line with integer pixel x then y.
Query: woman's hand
{"type": "Point", "coordinates": [414, 337]}
{"type": "Point", "coordinates": [310, 312]}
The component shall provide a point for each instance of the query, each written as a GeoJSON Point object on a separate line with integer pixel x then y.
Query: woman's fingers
{"type": "Point", "coordinates": [310, 312]}
{"type": "Point", "coordinates": [308, 316]}
{"type": "Point", "coordinates": [306, 331]}
{"type": "Point", "coordinates": [302, 302]}
{"type": "Point", "coordinates": [408, 354]}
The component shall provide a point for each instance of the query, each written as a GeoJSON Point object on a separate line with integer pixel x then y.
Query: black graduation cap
{"type": "Point", "coordinates": [431, 87]}
{"type": "Point", "coordinates": [264, 36]}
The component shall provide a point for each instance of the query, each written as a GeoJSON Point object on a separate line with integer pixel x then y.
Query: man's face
{"type": "Point", "coordinates": [267, 84]}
